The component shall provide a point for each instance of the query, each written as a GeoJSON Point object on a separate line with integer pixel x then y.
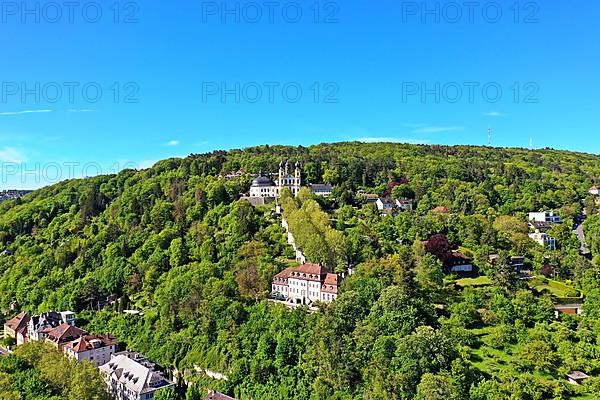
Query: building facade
{"type": "Point", "coordinates": [60, 336]}
{"type": "Point", "coordinates": [306, 284]}
{"type": "Point", "coordinates": [263, 186]}
{"type": "Point", "coordinates": [40, 324]}
{"type": "Point", "coordinates": [96, 349]}
{"type": "Point", "coordinates": [551, 217]}
{"type": "Point", "coordinates": [321, 189]}
{"type": "Point", "coordinates": [131, 376]}
{"type": "Point", "coordinates": [16, 328]}
{"type": "Point", "coordinates": [543, 239]}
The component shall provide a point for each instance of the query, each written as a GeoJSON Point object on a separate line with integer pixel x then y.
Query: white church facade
{"type": "Point", "coordinates": [263, 186]}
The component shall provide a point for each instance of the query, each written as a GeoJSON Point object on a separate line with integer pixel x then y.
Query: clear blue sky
{"type": "Point", "coordinates": [369, 60]}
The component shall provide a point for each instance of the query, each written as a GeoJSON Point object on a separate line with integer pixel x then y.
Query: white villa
{"type": "Point", "coordinates": [306, 284]}
{"type": "Point", "coordinates": [96, 349]}
{"type": "Point", "coordinates": [551, 217]}
{"type": "Point", "coordinates": [131, 376]}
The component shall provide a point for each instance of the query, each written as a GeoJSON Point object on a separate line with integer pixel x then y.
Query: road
{"type": "Point", "coordinates": [580, 235]}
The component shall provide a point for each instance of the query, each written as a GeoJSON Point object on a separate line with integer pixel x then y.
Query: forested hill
{"type": "Point", "coordinates": [175, 242]}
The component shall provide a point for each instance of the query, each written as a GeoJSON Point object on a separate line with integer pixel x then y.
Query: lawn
{"type": "Point", "coordinates": [479, 281]}
{"type": "Point", "coordinates": [555, 288]}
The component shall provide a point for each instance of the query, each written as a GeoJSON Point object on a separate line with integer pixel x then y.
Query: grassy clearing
{"type": "Point", "coordinates": [479, 281]}
{"type": "Point", "coordinates": [555, 288]}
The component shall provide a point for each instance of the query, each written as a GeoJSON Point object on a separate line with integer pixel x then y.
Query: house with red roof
{"type": "Point", "coordinates": [306, 284]}
{"type": "Point", "coordinates": [60, 336]}
{"type": "Point", "coordinates": [16, 328]}
{"type": "Point", "coordinates": [96, 349]}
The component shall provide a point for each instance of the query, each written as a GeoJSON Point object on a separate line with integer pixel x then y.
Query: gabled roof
{"type": "Point", "coordinates": [90, 342]}
{"type": "Point", "coordinates": [313, 269]}
{"type": "Point", "coordinates": [441, 209]}
{"type": "Point", "coordinates": [310, 272]}
{"type": "Point", "coordinates": [18, 323]}
{"type": "Point", "coordinates": [64, 333]}
{"type": "Point", "coordinates": [285, 273]}
{"type": "Point", "coordinates": [577, 375]}
{"type": "Point", "coordinates": [330, 285]}
{"type": "Point", "coordinates": [134, 375]}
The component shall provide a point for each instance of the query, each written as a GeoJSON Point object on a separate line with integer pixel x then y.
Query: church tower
{"type": "Point", "coordinates": [297, 178]}
{"type": "Point", "coordinates": [281, 175]}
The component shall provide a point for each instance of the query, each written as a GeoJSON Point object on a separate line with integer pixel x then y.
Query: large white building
{"type": "Point", "coordinates": [551, 217]}
{"type": "Point", "coordinates": [543, 239]}
{"type": "Point", "coordinates": [39, 325]}
{"type": "Point", "coordinates": [131, 376]}
{"type": "Point", "coordinates": [306, 284]}
{"type": "Point", "coordinates": [263, 186]}
{"type": "Point", "coordinates": [96, 349]}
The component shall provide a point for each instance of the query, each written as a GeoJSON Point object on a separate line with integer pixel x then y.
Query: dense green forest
{"type": "Point", "coordinates": [176, 243]}
{"type": "Point", "coordinates": [38, 371]}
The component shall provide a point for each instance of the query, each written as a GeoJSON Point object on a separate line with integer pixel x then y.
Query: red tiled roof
{"type": "Point", "coordinates": [313, 269]}
{"type": "Point", "coordinates": [331, 283]}
{"type": "Point", "coordinates": [441, 209]}
{"type": "Point", "coordinates": [64, 333]}
{"type": "Point", "coordinates": [309, 272]}
{"type": "Point", "coordinates": [84, 343]}
{"type": "Point", "coordinates": [332, 279]}
{"type": "Point", "coordinates": [284, 274]}
{"type": "Point", "coordinates": [18, 323]}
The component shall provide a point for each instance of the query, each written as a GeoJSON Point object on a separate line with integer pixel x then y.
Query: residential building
{"type": "Point", "coordinates": [131, 376]}
{"type": "Point", "coordinates": [306, 284]}
{"type": "Point", "coordinates": [60, 336]}
{"type": "Point", "coordinates": [12, 194]}
{"type": "Point", "coordinates": [517, 262]}
{"type": "Point", "coordinates": [595, 190]}
{"type": "Point", "coordinates": [16, 328]}
{"type": "Point", "coordinates": [540, 226]}
{"type": "Point", "coordinates": [385, 205]}
{"type": "Point", "coordinates": [96, 349]}
{"type": "Point", "coordinates": [441, 210]}
{"type": "Point", "coordinates": [321, 189]}
{"type": "Point", "coordinates": [543, 239]}
{"type": "Point", "coordinates": [458, 262]}
{"type": "Point", "coordinates": [569, 309]}
{"type": "Point", "coordinates": [368, 197]}
{"type": "Point", "coordinates": [212, 395]}
{"type": "Point", "coordinates": [546, 216]}
{"type": "Point", "coordinates": [39, 324]}
{"type": "Point", "coordinates": [404, 204]}
{"type": "Point", "coordinates": [577, 377]}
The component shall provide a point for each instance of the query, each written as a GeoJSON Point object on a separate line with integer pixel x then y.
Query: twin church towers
{"type": "Point", "coordinates": [263, 186]}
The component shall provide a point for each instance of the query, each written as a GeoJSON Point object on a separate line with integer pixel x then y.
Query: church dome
{"type": "Point", "coordinates": [262, 181]}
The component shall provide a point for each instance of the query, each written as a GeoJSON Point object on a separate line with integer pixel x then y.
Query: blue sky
{"type": "Point", "coordinates": [198, 76]}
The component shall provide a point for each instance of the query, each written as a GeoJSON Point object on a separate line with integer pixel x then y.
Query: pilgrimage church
{"type": "Point", "coordinates": [264, 187]}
